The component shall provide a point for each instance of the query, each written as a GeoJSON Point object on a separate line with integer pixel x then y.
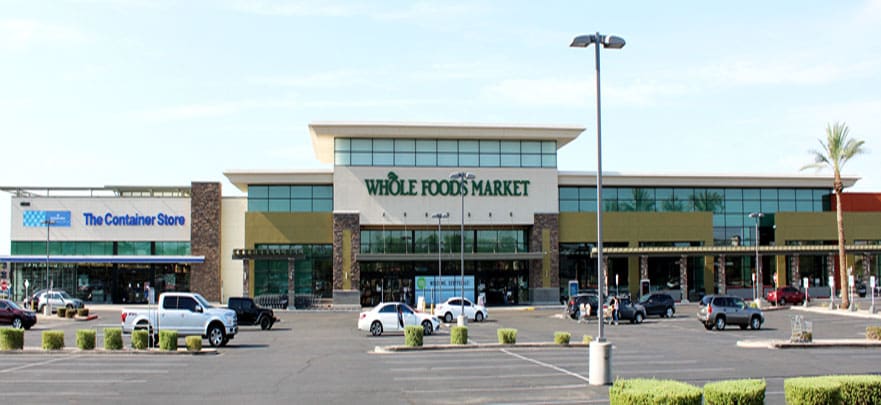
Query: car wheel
{"type": "Point", "coordinates": [638, 317]}
{"type": "Point", "coordinates": [755, 323]}
{"type": "Point", "coordinates": [720, 323]}
{"type": "Point", "coordinates": [265, 323]}
{"type": "Point", "coordinates": [427, 329]}
{"type": "Point", "coordinates": [669, 312]}
{"type": "Point", "coordinates": [448, 317]}
{"type": "Point", "coordinates": [16, 323]}
{"type": "Point", "coordinates": [478, 317]}
{"type": "Point", "coordinates": [215, 336]}
{"type": "Point", "coordinates": [376, 328]}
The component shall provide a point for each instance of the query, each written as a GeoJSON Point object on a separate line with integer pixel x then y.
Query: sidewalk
{"type": "Point", "coordinates": [823, 308]}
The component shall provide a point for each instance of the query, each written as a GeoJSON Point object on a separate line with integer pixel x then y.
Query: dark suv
{"type": "Point", "coordinates": [720, 310]}
{"type": "Point", "coordinates": [658, 304]}
{"type": "Point", "coordinates": [249, 313]}
{"type": "Point", "coordinates": [573, 306]}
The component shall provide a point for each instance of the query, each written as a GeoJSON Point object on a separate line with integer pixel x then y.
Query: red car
{"type": "Point", "coordinates": [786, 294]}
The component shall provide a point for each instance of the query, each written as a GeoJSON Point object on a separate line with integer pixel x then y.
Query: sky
{"type": "Point", "coordinates": [155, 92]}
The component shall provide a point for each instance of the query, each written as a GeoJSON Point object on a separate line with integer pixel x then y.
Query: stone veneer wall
{"type": "Point", "coordinates": [205, 278]}
{"type": "Point", "coordinates": [539, 292]}
{"type": "Point", "coordinates": [341, 222]}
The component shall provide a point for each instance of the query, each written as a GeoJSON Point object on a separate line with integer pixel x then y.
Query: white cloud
{"type": "Point", "coordinates": [20, 34]}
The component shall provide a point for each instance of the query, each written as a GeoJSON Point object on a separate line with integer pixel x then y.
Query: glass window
{"type": "Point", "coordinates": [769, 206]}
{"type": "Point", "coordinates": [362, 159]}
{"type": "Point", "coordinates": [342, 144]}
{"type": "Point", "coordinates": [769, 194]}
{"type": "Point", "coordinates": [405, 145]}
{"type": "Point", "coordinates": [569, 205]}
{"type": "Point", "coordinates": [786, 206]}
{"type": "Point", "coordinates": [405, 159]}
{"type": "Point", "coordinates": [804, 206]}
{"type": "Point", "coordinates": [530, 147]}
{"type": "Point", "coordinates": [751, 206]}
{"type": "Point", "coordinates": [820, 194]}
{"type": "Point", "coordinates": [301, 205]}
{"type": "Point", "coordinates": [426, 159]}
{"type": "Point", "coordinates": [467, 159]}
{"type": "Point", "coordinates": [489, 146]}
{"type": "Point", "coordinates": [751, 194]}
{"type": "Point", "coordinates": [279, 205]}
{"type": "Point", "coordinates": [733, 193]}
{"type": "Point", "coordinates": [734, 220]}
{"type": "Point", "coordinates": [255, 205]}
{"type": "Point", "coordinates": [663, 193]}
{"type": "Point", "coordinates": [510, 160]}
{"type": "Point", "coordinates": [426, 145]}
{"type": "Point", "coordinates": [683, 193]}
{"type": "Point", "coordinates": [804, 194]}
{"type": "Point", "coordinates": [444, 145]}
{"type": "Point", "coordinates": [279, 192]}
{"type": "Point", "coordinates": [447, 159]}
{"type": "Point", "coordinates": [587, 206]}
{"type": "Point", "coordinates": [587, 193]}
{"type": "Point", "coordinates": [489, 160]}
{"type": "Point", "coordinates": [609, 193]}
{"type": "Point", "coordinates": [301, 191]}
{"type": "Point", "coordinates": [383, 159]}
{"type": "Point", "coordinates": [549, 147]}
{"type": "Point", "coordinates": [322, 191]}
{"type": "Point", "coordinates": [548, 160]}
{"type": "Point", "coordinates": [322, 206]}
{"type": "Point", "coordinates": [510, 147]}
{"type": "Point", "coordinates": [568, 193]}
{"type": "Point", "coordinates": [362, 145]}
{"type": "Point", "coordinates": [342, 159]}
{"type": "Point", "coordinates": [383, 145]}
{"type": "Point", "coordinates": [258, 191]}
{"type": "Point", "coordinates": [786, 193]}
{"type": "Point", "coordinates": [469, 146]}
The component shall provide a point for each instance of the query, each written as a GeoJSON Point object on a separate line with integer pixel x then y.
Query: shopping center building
{"type": "Point", "coordinates": [385, 223]}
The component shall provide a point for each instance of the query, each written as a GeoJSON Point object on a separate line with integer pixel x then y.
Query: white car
{"type": "Point", "coordinates": [59, 299]}
{"type": "Point", "coordinates": [452, 308]}
{"type": "Point", "coordinates": [395, 316]}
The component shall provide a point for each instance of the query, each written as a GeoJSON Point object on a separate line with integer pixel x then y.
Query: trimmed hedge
{"type": "Point", "coordinates": [53, 339]}
{"type": "Point", "coordinates": [413, 336]}
{"type": "Point", "coordinates": [735, 392]}
{"type": "Point", "coordinates": [459, 335]}
{"type": "Point", "coordinates": [62, 312]}
{"type": "Point", "coordinates": [83, 312]}
{"type": "Point", "coordinates": [140, 339]}
{"type": "Point", "coordinates": [194, 343]}
{"type": "Point", "coordinates": [873, 332]}
{"type": "Point", "coordinates": [562, 338]}
{"type": "Point", "coordinates": [859, 389]}
{"type": "Point", "coordinates": [168, 340]}
{"type": "Point", "coordinates": [85, 339]}
{"type": "Point", "coordinates": [112, 338]}
{"type": "Point", "coordinates": [587, 339]}
{"type": "Point", "coordinates": [70, 313]}
{"type": "Point", "coordinates": [507, 336]}
{"type": "Point", "coordinates": [642, 391]}
{"type": "Point", "coordinates": [812, 390]}
{"type": "Point", "coordinates": [11, 339]}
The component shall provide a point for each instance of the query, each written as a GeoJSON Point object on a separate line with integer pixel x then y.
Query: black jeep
{"type": "Point", "coordinates": [249, 313]}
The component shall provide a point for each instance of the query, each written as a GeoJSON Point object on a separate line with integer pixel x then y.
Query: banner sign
{"type": "Point", "coordinates": [43, 219]}
{"type": "Point", "coordinates": [446, 287]}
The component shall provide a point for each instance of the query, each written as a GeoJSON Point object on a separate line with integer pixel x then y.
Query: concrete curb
{"type": "Point", "coordinates": [102, 351]}
{"type": "Point", "coordinates": [825, 310]}
{"type": "Point", "coordinates": [816, 344]}
{"type": "Point", "coordinates": [476, 346]}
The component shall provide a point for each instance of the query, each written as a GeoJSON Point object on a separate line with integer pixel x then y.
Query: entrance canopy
{"type": "Point", "coordinates": [104, 259]}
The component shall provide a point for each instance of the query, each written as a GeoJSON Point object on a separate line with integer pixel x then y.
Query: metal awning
{"type": "Point", "coordinates": [267, 254]}
{"type": "Point", "coordinates": [677, 251]}
{"type": "Point", "coordinates": [103, 259]}
{"type": "Point", "coordinates": [428, 257]}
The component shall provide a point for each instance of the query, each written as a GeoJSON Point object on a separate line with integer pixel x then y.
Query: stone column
{"type": "Point", "coordinates": [246, 278]}
{"type": "Point", "coordinates": [346, 270]}
{"type": "Point", "coordinates": [291, 283]}
{"type": "Point", "coordinates": [643, 268]}
{"type": "Point", "coordinates": [606, 274]}
{"type": "Point", "coordinates": [796, 271]}
{"type": "Point", "coordinates": [722, 280]}
{"type": "Point", "coordinates": [544, 273]}
{"type": "Point", "coordinates": [683, 278]}
{"type": "Point", "coordinates": [205, 214]}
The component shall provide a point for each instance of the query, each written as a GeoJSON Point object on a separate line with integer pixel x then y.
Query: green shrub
{"type": "Point", "coordinates": [83, 312]}
{"type": "Point", "coordinates": [168, 340]}
{"type": "Point", "coordinates": [53, 339]}
{"type": "Point", "coordinates": [70, 313]}
{"type": "Point", "coordinates": [507, 336]}
{"type": "Point", "coordinates": [62, 312]}
{"type": "Point", "coordinates": [644, 391]}
{"type": "Point", "coordinates": [11, 339]}
{"type": "Point", "coordinates": [812, 390]}
{"type": "Point", "coordinates": [873, 332]}
{"type": "Point", "coordinates": [459, 335]}
{"type": "Point", "coordinates": [735, 392]}
{"type": "Point", "coordinates": [859, 389]}
{"type": "Point", "coordinates": [562, 338]}
{"type": "Point", "coordinates": [194, 343]}
{"type": "Point", "coordinates": [587, 339]}
{"type": "Point", "coordinates": [85, 339]}
{"type": "Point", "coordinates": [112, 338]}
{"type": "Point", "coordinates": [413, 336]}
{"type": "Point", "coordinates": [140, 339]}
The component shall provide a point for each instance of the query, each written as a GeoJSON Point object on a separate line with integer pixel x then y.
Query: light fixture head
{"type": "Point", "coordinates": [583, 41]}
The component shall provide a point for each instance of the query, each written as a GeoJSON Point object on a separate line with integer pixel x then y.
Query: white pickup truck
{"type": "Point", "coordinates": [189, 314]}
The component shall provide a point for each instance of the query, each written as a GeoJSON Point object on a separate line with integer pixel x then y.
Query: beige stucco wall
{"type": "Point", "coordinates": [232, 237]}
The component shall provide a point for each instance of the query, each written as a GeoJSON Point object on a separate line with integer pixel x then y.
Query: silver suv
{"type": "Point", "coordinates": [721, 310]}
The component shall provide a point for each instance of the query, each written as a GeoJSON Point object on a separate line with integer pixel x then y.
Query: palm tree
{"type": "Point", "coordinates": [835, 152]}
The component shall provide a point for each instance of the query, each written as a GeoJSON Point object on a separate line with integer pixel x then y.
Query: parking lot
{"type": "Point", "coordinates": [316, 357]}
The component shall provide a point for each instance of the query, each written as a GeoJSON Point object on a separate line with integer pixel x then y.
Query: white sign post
{"type": "Point", "coordinates": [831, 292]}
{"type": "Point", "coordinates": [872, 291]}
{"type": "Point", "coordinates": [807, 283]}
{"type": "Point", "coordinates": [850, 289]}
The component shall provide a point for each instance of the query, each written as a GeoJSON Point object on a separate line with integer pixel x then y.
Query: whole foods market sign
{"type": "Point", "coordinates": [392, 185]}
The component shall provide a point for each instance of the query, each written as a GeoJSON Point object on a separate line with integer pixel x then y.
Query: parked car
{"type": "Point", "coordinates": [190, 314]}
{"type": "Point", "coordinates": [722, 310]}
{"type": "Point", "coordinates": [32, 301]}
{"type": "Point", "coordinates": [782, 295]}
{"type": "Point", "coordinates": [395, 316]}
{"type": "Point", "coordinates": [18, 317]}
{"type": "Point", "coordinates": [627, 309]}
{"type": "Point", "coordinates": [57, 299]}
{"type": "Point", "coordinates": [250, 313]}
{"type": "Point", "coordinates": [452, 308]}
{"type": "Point", "coordinates": [658, 304]}
{"type": "Point", "coordinates": [573, 306]}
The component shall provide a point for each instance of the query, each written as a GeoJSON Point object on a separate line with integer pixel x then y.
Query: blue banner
{"type": "Point", "coordinates": [446, 287]}
{"type": "Point", "coordinates": [41, 219]}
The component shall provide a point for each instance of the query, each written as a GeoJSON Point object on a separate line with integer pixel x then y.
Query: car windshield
{"type": "Point", "coordinates": [202, 301]}
{"type": "Point", "coordinates": [12, 304]}
{"type": "Point", "coordinates": [65, 295]}
{"type": "Point", "coordinates": [644, 299]}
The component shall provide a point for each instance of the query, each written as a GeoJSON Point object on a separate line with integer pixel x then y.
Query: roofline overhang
{"type": "Point", "coordinates": [103, 259]}
{"type": "Point", "coordinates": [678, 251]}
{"type": "Point", "coordinates": [572, 178]}
{"type": "Point", "coordinates": [242, 178]}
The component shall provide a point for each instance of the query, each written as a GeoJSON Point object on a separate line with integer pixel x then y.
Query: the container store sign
{"type": "Point", "coordinates": [43, 219]}
{"type": "Point", "coordinates": [392, 185]}
{"type": "Point", "coordinates": [113, 219]}
{"type": "Point", "coordinates": [444, 287]}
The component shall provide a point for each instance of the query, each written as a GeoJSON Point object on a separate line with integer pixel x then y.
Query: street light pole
{"type": "Point", "coordinates": [48, 223]}
{"type": "Point", "coordinates": [462, 177]}
{"type": "Point", "coordinates": [600, 353]}
{"type": "Point", "coordinates": [434, 297]}
{"type": "Point", "coordinates": [758, 284]}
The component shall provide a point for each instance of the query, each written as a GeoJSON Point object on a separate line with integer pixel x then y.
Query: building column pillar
{"type": "Point", "coordinates": [291, 283]}
{"type": "Point", "coordinates": [831, 271]}
{"type": "Point", "coordinates": [722, 280]}
{"type": "Point", "coordinates": [643, 268]}
{"type": "Point", "coordinates": [683, 278]}
{"type": "Point", "coordinates": [606, 275]}
{"type": "Point", "coordinates": [795, 270]}
{"type": "Point", "coordinates": [544, 273]}
{"type": "Point", "coordinates": [246, 278]}
{"type": "Point", "coordinates": [346, 269]}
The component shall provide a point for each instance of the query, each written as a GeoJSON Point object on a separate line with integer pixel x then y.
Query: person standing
{"type": "Point", "coordinates": [615, 310]}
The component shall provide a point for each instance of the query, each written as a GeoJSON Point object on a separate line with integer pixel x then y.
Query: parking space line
{"type": "Point", "coordinates": [32, 365]}
{"type": "Point", "coordinates": [677, 371]}
{"type": "Point", "coordinates": [500, 389]}
{"type": "Point", "coordinates": [475, 377]}
{"type": "Point", "coordinates": [546, 365]}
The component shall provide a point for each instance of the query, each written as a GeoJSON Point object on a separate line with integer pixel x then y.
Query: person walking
{"type": "Point", "coordinates": [615, 310]}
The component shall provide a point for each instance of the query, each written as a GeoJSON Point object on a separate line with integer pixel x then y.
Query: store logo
{"type": "Point", "coordinates": [109, 219]}
{"type": "Point", "coordinates": [392, 185]}
{"type": "Point", "coordinates": [46, 218]}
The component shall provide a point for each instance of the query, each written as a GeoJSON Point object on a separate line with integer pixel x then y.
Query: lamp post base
{"type": "Point", "coordinates": [461, 320]}
{"type": "Point", "coordinates": [600, 367]}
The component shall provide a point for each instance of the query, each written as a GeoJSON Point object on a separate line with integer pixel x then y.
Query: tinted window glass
{"type": "Point", "coordinates": [387, 308]}
{"type": "Point", "coordinates": [186, 303]}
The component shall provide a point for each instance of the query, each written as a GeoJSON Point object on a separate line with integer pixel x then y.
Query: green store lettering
{"type": "Point", "coordinates": [392, 185]}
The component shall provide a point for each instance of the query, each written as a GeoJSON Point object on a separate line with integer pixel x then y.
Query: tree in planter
{"type": "Point", "coordinates": [834, 153]}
